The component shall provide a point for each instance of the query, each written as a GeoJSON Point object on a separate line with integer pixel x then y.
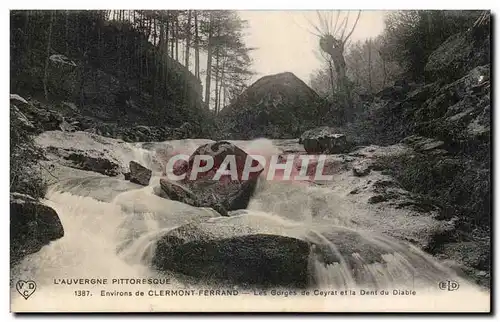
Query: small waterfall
{"type": "Point", "coordinates": [352, 259]}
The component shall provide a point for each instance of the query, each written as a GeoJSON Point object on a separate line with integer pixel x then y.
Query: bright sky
{"type": "Point", "coordinates": [285, 44]}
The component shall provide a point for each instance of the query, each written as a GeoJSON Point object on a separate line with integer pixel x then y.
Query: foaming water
{"type": "Point", "coordinates": [115, 238]}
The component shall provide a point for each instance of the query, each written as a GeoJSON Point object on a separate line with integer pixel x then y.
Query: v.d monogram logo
{"type": "Point", "coordinates": [26, 288]}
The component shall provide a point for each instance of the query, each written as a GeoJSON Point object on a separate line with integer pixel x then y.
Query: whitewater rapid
{"type": "Point", "coordinates": [115, 239]}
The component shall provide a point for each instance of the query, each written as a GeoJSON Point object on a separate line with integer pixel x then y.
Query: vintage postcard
{"type": "Point", "coordinates": [250, 161]}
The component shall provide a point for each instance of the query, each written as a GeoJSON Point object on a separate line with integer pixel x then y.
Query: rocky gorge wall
{"type": "Point", "coordinates": [446, 119]}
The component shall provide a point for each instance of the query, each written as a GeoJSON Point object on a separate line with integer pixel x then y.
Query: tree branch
{"type": "Point", "coordinates": [336, 21]}
{"type": "Point", "coordinates": [354, 26]}
{"type": "Point", "coordinates": [321, 21]}
{"type": "Point", "coordinates": [345, 27]}
{"type": "Point", "coordinates": [314, 26]}
{"type": "Point", "coordinates": [342, 23]}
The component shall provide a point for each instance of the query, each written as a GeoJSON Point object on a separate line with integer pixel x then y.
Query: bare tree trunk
{"type": "Point", "coordinates": [66, 32]}
{"type": "Point", "coordinates": [161, 40]}
{"type": "Point", "coordinates": [172, 43]}
{"type": "Point", "coordinates": [28, 30]}
{"type": "Point", "coordinates": [342, 81]}
{"type": "Point", "coordinates": [47, 59]}
{"type": "Point", "coordinates": [188, 40]}
{"type": "Point", "coordinates": [161, 53]}
{"type": "Point", "coordinates": [341, 74]}
{"type": "Point", "coordinates": [384, 69]}
{"type": "Point", "coordinates": [370, 66]}
{"type": "Point", "coordinates": [221, 85]}
{"type": "Point", "coordinates": [217, 74]}
{"type": "Point", "coordinates": [150, 27]}
{"type": "Point", "coordinates": [177, 37]}
{"type": "Point", "coordinates": [155, 35]}
{"type": "Point", "coordinates": [209, 63]}
{"type": "Point", "coordinates": [196, 48]}
{"type": "Point", "coordinates": [332, 85]}
{"type": "Point", "coordinates": [225, 101]}
{"type": "Point", "coordinates": [167, 58]}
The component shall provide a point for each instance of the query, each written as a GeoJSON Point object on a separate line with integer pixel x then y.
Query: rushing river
{"type": "Point", "coordinates": [110, 236]}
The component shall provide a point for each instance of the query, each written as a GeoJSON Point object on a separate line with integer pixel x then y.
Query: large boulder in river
{"type": "Point", "coordinates": [32, 225]}
{"type": "Point", "coordinates": [324, 140]}
{"type": "Point", "coordinates": [139, 174]}
{"type": "Point", "coordinates": [205, 189]}
{"type": "Point", "coordinates": [275, 106]}
{"type": "Point", "coordinates": [257, 260]}
{"type": "Point", "coordinates": [243, 250]}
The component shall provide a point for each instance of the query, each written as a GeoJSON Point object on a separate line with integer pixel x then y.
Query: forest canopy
{"type": "Point", "coordinates": [149, 50]}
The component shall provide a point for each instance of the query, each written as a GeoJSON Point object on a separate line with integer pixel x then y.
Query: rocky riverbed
{"type": "Point", "coordinates": [361, 195]}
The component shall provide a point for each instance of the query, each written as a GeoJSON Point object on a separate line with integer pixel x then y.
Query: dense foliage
{"type": "Point", "coordinates": [401, 51]}
{"type": "Point", "coordinates": [114, 57]}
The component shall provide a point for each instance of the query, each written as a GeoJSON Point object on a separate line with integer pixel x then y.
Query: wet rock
{"type": "Point", "coordinates": [362, 168]}
{"type": "Point", "coordinates": [324, 140]}
{"type": "Point", "coordinates": [90, 184]}
{"type": "Point", "coordinates": [39, 118]}
{"type": "Point", "coordinates": [139, 174]}
{"type": "Point", "coordinates": [158, 191]}
{"type": "Point", "coordinates": [67, 127]}
{"type": "Point", "coordinates": [354, 191]}
{"type": "Point", "coordinates": [417, 204]}
{"type": "Point", "coordinates": [331, 165]}
{"type": "Point", "coordinates": [178, 192]}
{"type": "Point", "coordinates": [82, 150]}
{"type": "Point", "coordinates": [17, 117]}
{"type": "Point", "coordinates": [383, 185]}
{"type": "Point", "coordinates": [257, 260]}
{"type": "Point", "coordinates": [378, 199]}
{"type": "Point", "coordinates": [87, 160]}
{"type": "Point", "coordinates": [422, 93]}
{"type": "Point", "coordinates": [18, 98]}
{"type": "Point", "coordinates": [223, 194]}
{"type": "Point", "coordinates": [423, 144]}
{"type": "Point", "coordinates": [185, 131]}
{"type": "Point", "coordinates": [32, 225]}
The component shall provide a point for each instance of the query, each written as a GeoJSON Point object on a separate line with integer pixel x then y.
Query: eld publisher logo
{"type": "Point", "coordinates": [449, 285]}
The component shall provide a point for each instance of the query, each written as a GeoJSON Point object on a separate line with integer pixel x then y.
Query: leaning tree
{"type": "Point", "coordinates": [333, 35]}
